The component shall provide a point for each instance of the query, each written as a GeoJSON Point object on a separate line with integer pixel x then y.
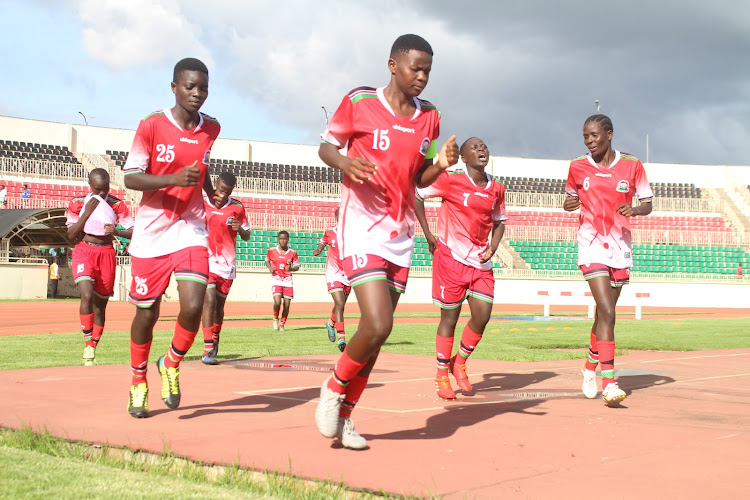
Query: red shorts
{"type": "Point", "coordinates": [337, 286]}
{"type": "Point", "coordinates": [285, 291]}
{"type": "Point", "coordinates": [453, 281]}
{"type": "Point", "coordinates": [221, 284]}
{"type": "Point", "coordinates": [362, 268]}
{"type": "Point", "coordinates": [617, 277]}
{"type": "Point", "coordinates": [95, 263]}
{"type": "Point", "coordinates": [151, 274]}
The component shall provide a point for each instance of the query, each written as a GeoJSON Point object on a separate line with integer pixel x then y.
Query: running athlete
{"type": "Point", "coordinates": [282, 261]}
{"type": "Point", "coordinates": [94, 218]}
{"type": "Point", "coordinates": [338, 284]}
{"type": "Point", "coordinates": [168, 162]}
{"type": "Point", "coordinates": [225, 219]}
{"type": "Point", "coordinates": [603, 183]}
{"type": "Point", "coordinates": [473, 206]}
{"type": "Point", "coordinates": [391, 136]}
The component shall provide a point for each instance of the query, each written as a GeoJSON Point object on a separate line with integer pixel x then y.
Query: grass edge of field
{"type": "Point", "coordinates": [264, 483]}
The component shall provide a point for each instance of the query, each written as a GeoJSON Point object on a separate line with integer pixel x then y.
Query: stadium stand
{"type": "Point", "coordinates": [555, 186]}
{"type": "Point", "coordinates": [34, 151]}
{"type": "Point", "coordinates": [542, 235]}
{"type": "Point", "coordinates": [258, 169]}
{"type": "Point", "coordinates": [672, 259]}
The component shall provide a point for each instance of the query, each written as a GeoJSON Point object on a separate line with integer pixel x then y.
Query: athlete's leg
{"type": "Point", "coordinates": [604, 320]}
{"type": "Point", "coordinates": [339, 301]}
{"type": "Point", "coordinates": [209, 311]}
{"type": "Point", "coordinates": [606, 299]}
{"type": "Point", "coordinates": [86, 306]}
{"type": "Point", "coordinates": [100, 316]}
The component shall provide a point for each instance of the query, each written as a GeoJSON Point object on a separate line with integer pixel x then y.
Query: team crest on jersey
{"type": "Point", "coordinates": [623, 186]}
{"type": "Point", "coordinates": [425, 146]}
{"type": "Point", "coordinates": [207, 157]}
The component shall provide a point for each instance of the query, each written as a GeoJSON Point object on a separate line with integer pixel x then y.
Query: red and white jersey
{"type": "Point", "coordinates": [467, 214]}
{"type": "Point", "coordinates": [377, 217]}
{"type": "Point", "coordinates": [282, 261]}
{"type": "Point", "coordinates": [334, 265]}
{"type": "Point", "coordinates": [109, 211]}
{"type": "Point", "coordinates": [173, 218]}
{"type": "Point", "coordinates": [603, 234]}
{"type": "Point", "coordinates": [222, 239]}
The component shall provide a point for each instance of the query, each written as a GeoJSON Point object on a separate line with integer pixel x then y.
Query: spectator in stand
{"type": "Point", "coordinates": [739, 270]}
{"type": "Point", "coordinates": [25, 195]}
{"type": "Point", "coordinates": [3, 196]}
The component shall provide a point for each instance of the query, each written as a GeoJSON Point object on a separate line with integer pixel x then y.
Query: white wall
{"type": "Point", "coordinates": [23, 281]}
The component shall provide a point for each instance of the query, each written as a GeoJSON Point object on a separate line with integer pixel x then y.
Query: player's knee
{"type": "Point", "coordinates": [605, 313]}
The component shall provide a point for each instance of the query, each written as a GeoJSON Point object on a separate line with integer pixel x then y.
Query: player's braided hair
{"type": "Point", "coordinates": [602, 120]}
{"type": "Point", "coordinates": [228, 178]}
{"type": "Point", "coordinates": [405, 43]}
{"type": "Point", "coordinates": [189, 64]}
{"type": "Point", "coordinates": [282, 232]}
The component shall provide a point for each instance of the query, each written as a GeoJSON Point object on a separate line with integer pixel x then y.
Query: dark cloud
{"type": "Point", "coordinates": [674, 70]}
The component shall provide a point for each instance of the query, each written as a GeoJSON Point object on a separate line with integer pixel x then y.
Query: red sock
{"type": "Point", "coordinates": [87, 325]}
{"type": "Point", "coordinates": [283, 320]}
{"type": "Point", "coordinates": [606, 350]}
{"type": "Point", "coordinates": [344, 372]}
{"type": "Point", "coordinates": [340, 334]}
{"type": "Point", "coordinates": [332, 321]}
{"type": "Point", "coordinates": [469, 341]}
{"type": "Point", "coordinates": [593, 358]}
{"type": "Point", "coordinates": [444, 348]}
{"type": "Point", "coordinates": [353, 392]}
{"type": "Point", "coordinates": [217, 332]}
{"type": "Point", "coordinates": [208, 339]}
{"type": "Point", "coordinates": [139, 361]}
{"type": "Point", "coordinates": [181, 342]}
{"type": "Point", "coordinates": [276, 315]}
{"type": "Point", "coordinates": [97, 334]}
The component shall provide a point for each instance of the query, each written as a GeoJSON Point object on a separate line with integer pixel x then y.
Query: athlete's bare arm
{"type": "Point", "coordinates": [571, 203]}
{"type": "Point", "coordinates": [357, 169]}
{"type": "Point", "coordinates": [498, 230]}
{"type": "Point", "coordinates": [187, 177]}
{"type": "Point", "coordinates": [75, 230]}
{"type": "Point", "coordinates": [422, 218]}
{"type": "Point", "coordinates": [430, 171]}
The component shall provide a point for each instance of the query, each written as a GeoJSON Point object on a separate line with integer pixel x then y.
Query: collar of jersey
{"type": "Point", "coordinates": [384, 102]}
{"type": "Point", "coordinates": [229, 200]}
{"type": "Point", "coordinates": [168, 114]}
{"type": "Point", "coordinates": [463, 169]}
{"type": "Point", "coordinates": [617, 158]}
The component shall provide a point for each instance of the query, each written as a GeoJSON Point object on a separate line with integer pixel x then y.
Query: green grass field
{"type": "Point", "coordinates": [39, 466]}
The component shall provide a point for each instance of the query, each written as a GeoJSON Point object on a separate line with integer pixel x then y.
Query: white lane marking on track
{"type": "Point", "coordinates": [697, 357]}
{"type": "Point", "coordinates": [727, 436]}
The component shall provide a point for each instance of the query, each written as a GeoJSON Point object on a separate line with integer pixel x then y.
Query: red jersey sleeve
{"type": "Point", "coordinates": [499, 214]}
{"type": "Point", "coordinates": [140, 151]}
{"type": "Point", "coordinates": [341, 125]}
{"type": "Point", "coordinates": [437, 189]}
{"type": "Point", "coordinates": [73, 213]}
{"type": "Point", "coordinates": [269, 257]}
{"type": "Point", "coordinates": [123, 216]}
{"type": "Point", "coordinates": [642, 187]}
{"type": "Point", "coordinates": [571, 188]}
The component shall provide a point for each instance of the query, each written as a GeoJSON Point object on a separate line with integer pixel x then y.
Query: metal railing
{"type": "Point", "coordinates": [16, 202]}
{"type": "Point", "coordinates": [651, 236]}
{"type": "Point", "coordinates": [42, 169]}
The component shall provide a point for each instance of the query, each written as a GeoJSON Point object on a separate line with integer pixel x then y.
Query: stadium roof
{"type": "Point", "coordinates": [34, 227]}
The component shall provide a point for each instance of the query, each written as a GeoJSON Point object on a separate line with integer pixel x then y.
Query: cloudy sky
{"type": "Point", "coordinates": [523, 75]}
